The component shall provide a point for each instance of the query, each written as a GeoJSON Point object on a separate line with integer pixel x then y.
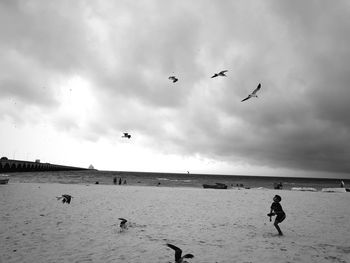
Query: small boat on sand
{"type": "Point", "coordinates": [4, 178]}
{"type": "Point", "coordinates": [215, 186]}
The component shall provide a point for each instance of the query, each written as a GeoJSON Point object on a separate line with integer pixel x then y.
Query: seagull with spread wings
{"type": "Point", "coordinates": [173, 78]}
{"type": "Point", "coordinates": [126, 135]}
{"type": "Point", "coordinates": [221, 73]}
{"type": "Point", "coordinates": [65, 198]}
{"type": "Point", "coordinates": [178, 253]}
{"type": "Point", "coordinates": [253, 94]}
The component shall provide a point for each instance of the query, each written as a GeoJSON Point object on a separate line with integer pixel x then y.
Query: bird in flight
{"type": "Point", "coordinates": [253, 94]}
{"type": "Point", "coordinates": [178, 253]}
{"type": "Point", "coordinates": [122, 223]}
{"type": "Point", "coordinates": [65, 198]}
{"type": "Point", "coordinates": [126, 135]}
{"type": "Point", "coordinates": [221, 73]}
{"type": "Point", "coordinates": [173, 78]}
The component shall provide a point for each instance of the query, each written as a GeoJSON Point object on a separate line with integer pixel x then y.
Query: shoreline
{"type": "Point", "coordinates": [149, 179]}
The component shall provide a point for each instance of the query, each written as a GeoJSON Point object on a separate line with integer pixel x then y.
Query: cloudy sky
{"type": "Point", "coordinates": [75, 75]}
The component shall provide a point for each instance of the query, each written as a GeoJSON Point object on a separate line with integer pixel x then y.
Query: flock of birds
{"type": "Point", "coordinates": [66, 198]}
{"type": "Point", "coordinates": [222, 74]}
{"type": "Point", "coordinates": [219, 74]}
{"type": "Point", "coordinates": [123, 222]}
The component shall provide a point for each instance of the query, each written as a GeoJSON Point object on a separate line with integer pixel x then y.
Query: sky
{"type": "Point", "coordinates": [76, 75]}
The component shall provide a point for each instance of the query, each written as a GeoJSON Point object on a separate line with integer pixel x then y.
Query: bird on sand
{"type": "Point", "coordinates": [173, 78]}
{"type": "Point", "coordinates": [126, 135]}
{"type": "Point", "coordinates": [221, 73]}
{"type": "Point", "coordinates": [253, 94]}
{"type": "Point", "coordinates": [65, 198]}
{"type": "Point", "coordinates": [123, 223]}
{"type": "Point", "coordinates": [178, 253]}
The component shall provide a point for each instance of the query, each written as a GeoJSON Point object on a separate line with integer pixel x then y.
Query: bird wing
{"type": "Point", "coordinates": [123, 220]}
{"type": "Point", "coordinates": [178, 251]}
{"type": "Point", "coordinates": [215, 75]}
{"type": "Point", "coordinates": [171, 77]}
{"type": "Point", "coordinates": [188, 256]}
{"type": "Point", "coordinates": [67, 198]}
{"type": "Point", "coordinates": [257, 89]}
{"type": "Point", "coordinates": [223, 71]}
{"type": "Point", "coordinates": [246, 98]}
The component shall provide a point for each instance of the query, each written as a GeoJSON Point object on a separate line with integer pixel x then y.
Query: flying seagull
{"type": "Point", "coordinates": [126, 135]}
{"type": "Point", "coordinates": [178, 253]}
{"type": "Point", "coordinates": [65, 198]}
{"type": "Point", "coordinates": [123, 223]}
{"type": "Point", "coordinates": [253, 93]}
{"type": "Point", "coordinates": [173, 78]}
{"type": "Point", "coordinates": [221, 73]}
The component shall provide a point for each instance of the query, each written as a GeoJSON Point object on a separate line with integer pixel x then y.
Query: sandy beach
{"type": "Point", "coordinates": [214, 225]}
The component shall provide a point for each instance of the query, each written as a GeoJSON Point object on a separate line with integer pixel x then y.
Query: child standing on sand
{"type": "Point", "coordinates": [276, 210]}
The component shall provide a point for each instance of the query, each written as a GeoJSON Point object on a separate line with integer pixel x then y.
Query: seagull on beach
{"type": "Point", "coordinates": [126, 135]}
{"type": "Point", "coordinates": [173, 78]}
{"type": "Point", "coordinates": [123, 223]}
{"type": "Point", "coordinates": [253, 93]}
{"type": "Point", "coordinates": [178, 253]}
{"type": "Point", "coordinates": [221, 73]}
{"type": "Point", "coordinates": [65, 198]}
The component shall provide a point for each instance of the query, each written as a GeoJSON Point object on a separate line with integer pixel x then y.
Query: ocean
{"type": "Point", "coordinates": [170, 179]}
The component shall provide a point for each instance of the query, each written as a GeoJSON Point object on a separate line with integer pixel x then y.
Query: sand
{"type": "Point", "coordinates": [214, 225]}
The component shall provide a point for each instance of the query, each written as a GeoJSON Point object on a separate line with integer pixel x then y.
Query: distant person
{"type": "Point", "coordinates": [115, 180]}
{"type": "Point", "coordinates": [278, 185]}
{"type": "Point", "coordinates": [276, 210]}
{"type": "Point", "coordinates": [120, 181]}
{"type": "Point", "coordinates": [124, 181]}
{"type": "Point", "coordinates": [342, 184]}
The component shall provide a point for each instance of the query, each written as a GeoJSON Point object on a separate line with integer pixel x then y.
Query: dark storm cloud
{"type": "Point", "coordinates": [126, 51]}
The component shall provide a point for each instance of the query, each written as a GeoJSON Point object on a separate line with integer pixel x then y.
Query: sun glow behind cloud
{"type": "Point", "coordinates": [77, 102]}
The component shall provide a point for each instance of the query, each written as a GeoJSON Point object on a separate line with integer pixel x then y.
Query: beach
{"type": "Point", "coordinates": [214, 225]}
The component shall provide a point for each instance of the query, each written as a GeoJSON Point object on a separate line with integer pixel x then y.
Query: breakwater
{"type": "Point", "coordinates": [9, 165]}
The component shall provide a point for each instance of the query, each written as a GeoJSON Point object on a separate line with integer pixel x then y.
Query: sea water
{"type": "Point", "coordinates": [170, 179]}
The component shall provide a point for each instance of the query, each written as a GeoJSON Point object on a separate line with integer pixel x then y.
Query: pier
{"type": "Point", "coordinates": [8, 166]}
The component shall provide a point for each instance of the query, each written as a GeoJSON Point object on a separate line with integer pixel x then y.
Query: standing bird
{"type": "Point", "coordinates": [253, 93]}
{"type": "Point", "coordinates": [126, 135]}
{"type": "Point", "coordinates": [123, 223]}
{"type": "Point", "coordinates": [173, 78]}
{"type": "Point", "coordinates": [65, 198]}
{"type": "Point", "coordinates": [221, 73]}
{"type": "Point", "coordinates": [178, 253]}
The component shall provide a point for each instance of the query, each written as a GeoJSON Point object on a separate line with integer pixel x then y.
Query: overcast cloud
{"type": "Point", "coordinates": [122, 53]}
